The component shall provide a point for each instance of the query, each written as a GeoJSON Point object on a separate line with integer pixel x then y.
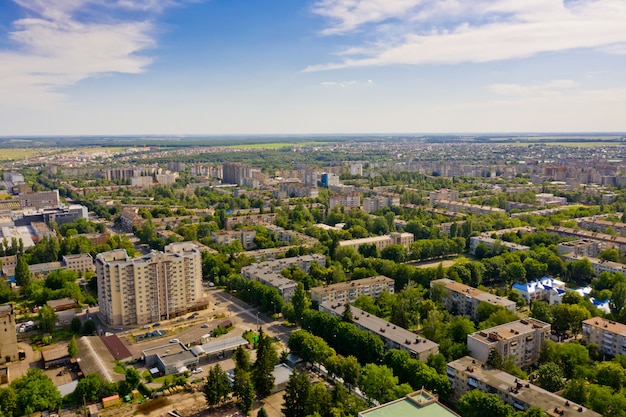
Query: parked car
{"type": "Point", "coordinates": [118, 328]}
{"type": "Point", "coordinates": [197, 371]}
{"type": "Point", "coordinates": [174, 341]}
{"type": "Point", "coordinates": [156, 324]}
{"type": "Point", "coordinates": [205, 326]}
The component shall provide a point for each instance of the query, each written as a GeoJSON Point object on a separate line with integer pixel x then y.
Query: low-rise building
{"type": "Point", "coordinates": [462, 299]}
{"type": "Point", "coordinates": [227, 237]}
{"type": "Point", "coordinates": [546, 289]}
{"type": "Point", "coordinates": [8, 339]}
{"type": "Point", "coordinates": [491, 242]}
{"type": "Point", "coordinates": [393, 336]}
{"type": "Point", "coordinates": [80, 262]}
{"type": "Point", "coordinates": [581, 247]}
{"type": "Point", "coordinates": [467, 374]}
{"type": "Point", "coordinates": [606, 241]}
{"type": "Point", "coordinates": [417, 404]}
{"type": "Point", "coordinates": [250, 220]}
{"type": "Point", "coordinates": [609, 335]}
{"type": "Point", "coordinates": [598, 265]}
{"type": "Point", "coordinates": [520, 339]}
{"type": "Point", "coordinates": [62, 304]}
{"type": "Point", "coordinates": [349, 291]}
{"type": "Point", "coordinates": [173, 358]}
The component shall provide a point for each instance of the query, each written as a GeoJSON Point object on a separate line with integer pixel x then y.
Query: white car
{"type": "Point", "coordinates": [197, 371]}
{"type": "Point", "coordinates": [174, 341]}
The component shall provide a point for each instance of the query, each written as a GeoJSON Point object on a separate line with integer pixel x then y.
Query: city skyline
{"type": "Point", "coordinates": [215, 67]}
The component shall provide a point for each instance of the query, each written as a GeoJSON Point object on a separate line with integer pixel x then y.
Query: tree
{"type": "Point", "coordinates": [22, 272]}
{"type": "Point", "coordinates": [243, 390]}
{"type": "Point", "coordinates": [617, 302]}
{"type": "Point", "coordinates": [72, 348]}
{"type": "Point", "coordinates": [611, 374]}
{"type": "Point", "coordinates": [47, 318]}
{"type": "Point", "coordinates": [550, 377]}
{"type": "Point", "coordinates": [300, 301]}
{"type": "Point", "coordinates": [347, 313]}
{"type": "Point", "coordinates": [540, 310]}
{"type": "Point", "coordinates": [262, 413]}
{"type": "Point", "coordinates": [8, 401]}
{"type": "Point", "coordinates": [297, 396]}
{"type": "Point", "coordinates": [379, 383]}
{"type": "Point", "coordinates": [581, 271]}
{"type": "Point", "coordinates": [36, 391]}
{"type": "Point", "coordinates": [76, 325]}
{"type": "Point", "coordinates": [476, 403]}
{"type": "Point", "coordinates": [217, 386]}
{"type": "Point", "coordinates": [132, 377]}
{"type": "Point", "coordinates": [89, 327]}
{"type": "Point", "coordinates": [88, 389]}
{"type": "Point", "coordinates": [266, 359]}
{"type": "Point", "coordinates": [395, 252]}
{"type": "Point", "coordinates": [241, 357]}
{"type": "Point", "coordinates": [495, 359]}
{"type": "Point", "coordinates": [350, 370]}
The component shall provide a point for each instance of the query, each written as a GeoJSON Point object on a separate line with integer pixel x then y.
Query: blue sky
{"type": "Point", "coordinates": [115, 67]}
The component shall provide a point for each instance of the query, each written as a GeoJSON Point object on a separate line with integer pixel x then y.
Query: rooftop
{"type": "Point", "coordinates": [510, 330]}
{"type": "Point", "coordinates": [341, 286]}
{"type": "Point", "coordinates": [473, 292]}
{"type": "Point", "coordinates": [418, 404]}
{"type": "Point", "coordinates": [383, 328]}
{"type": "Point", "coordinates": [606, 325]}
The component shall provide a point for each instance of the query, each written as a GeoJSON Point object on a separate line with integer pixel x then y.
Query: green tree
{"type": "Point", "coordinates": [350, 371]}
{"type": "Point", "coordinates": [243, 389]}
{"type": "Point", "coordinates": [88, 389]}
{"type": "Point", "coordinates": [262, 413]}
{"type": "Point", "coordinates": [8, 401]}
{"type": "Point", "coordinates": [266, 359]}
{"type": "Point", "coordinates": [297, 396]}
{"type": "Point", "coordinates": [76, 325]}
{"type": "Point", "coordinates": [476, 403]}
{"type": "Point", "coordinates": [550, 377]}
{"type": "Point", "coordinates": [540, 310]}
{"type": "Point", "coordinates": [617, 302]}
{"type": "Point", "coordinates": [347, 313]}
{"type": "Point", "coordinates": [22, 272]}
{"type": "Point", "coordinates": [611, 374]}
{"type": "Point", "coordinates": [581, 271]}
{"type": "Point", "coordinates": [47, 318]}
{"type": "Point", "coordinates": [89, 327]}
{"type": "Point", "coordinates": [72, 348]}
{"type": "Point", "coordinates": [132, 377]}
{"type": "Point", "coordinates": [241, 357]}
{"type": "Point", "coordinates": [217, 386]}
{"type": "Point", "coordinates": [300, 301]}
{"type": "Point", "coordinates": [36, 391]}
{"type": "Point", "coordinates": [379, 383]}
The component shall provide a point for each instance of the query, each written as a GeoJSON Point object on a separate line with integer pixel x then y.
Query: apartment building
{"type": "Point", "coordinates": [250, 219]}
{"type": "Point", "coordinates": [8, 338]}
{"type": "Point", "coordinates": [39, 200]}
{"type": "Point", "coordinates": [490, 242]}
{"type": "Point", "coordinates": [606, 241]}
{"type": "Point", "coordinates": [381, 242]}
{"type": "Point", "coordinates": [467, 374]}
{"type": "Point", "coordinates": [268, 273]}
{"type": "Point", "coordinates": [609, 335]}
{"type": "Point", "coordinates": [226, 237]}
{"type": "Point", "coordinates": [235, 173]}
{"type": "Point", "coordinates": [157, 286]}
{"type": "Point", "coordinates": [581, 247]}
{"type": "Point", "coordinates": [347, 292]}
{"type": "Point", "coordinates": [520, 339]}
{"type": "Point", "coordinates": [80, 262]}
{"type": "Point", "coordinates": [600, 225]}
{"type": "Point", "coordinates": [599, 265]}
{"type": "Point", "coordinates": [461, 299]}
{"type": "Point", "coordinates": [417, 404]}
{"type": "Point", "coordinates": [546, 199]}
{"type": "Point", "coordinates": [460, 206]}
{"type": "Point", "coordinates": [347, 200]}
{"type": "Point", "coordinates": [393, 336]}
{"type": "Point", "coordinates": [377, 202]}
{"type": "Point", "coordinates": [443, 194]}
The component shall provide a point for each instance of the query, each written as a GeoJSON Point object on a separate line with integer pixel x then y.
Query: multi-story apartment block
{"type": "Point", "coordinates": [581, 247]}
{"type": "Point", "coordinates": [250, 219]}
{"type": "Point", "coordinates": [268, 272]}
{"type": "Point", "coordinates": [226, 237]}
{"type": "Point", "coordinates": [546, 199]}
{"type": "Point", "coordinates": [599, 265]}
{"type": "Point", "coordinates": [374, 203]}
{"type": "Point", "coordinates": [520, 339]}
{"type": "Point", "coordinates": [394, 337]}
{"type": "Point", "coordinates": [443, 194]}
{"type": "Point", "coordinates": [347, 200]}
{"type": "Point", "coordinates": [381, 242]}
{"type": "Point", "coordinates": [157, 286]}
{"type": "Point", "coordinates": [490, 242]}
{"type": "Point", "coordinates": [606, 241]}
{"type": "Point", "coordinates": [601, 225]}
{"type": "Point", "coordinates": [347, 292]}
{"type": "Point", "coordinates": [294, 189]}
{"type": "Point", "coordinates": [235, 173]}
{"type": "Point", "coordinates": [39, 200]}
{"type": "Point", "coordinates": [8, 338]}
{"type": "Point", "coordinates": [80, 262]}
{"type": "Point", "coordinates": [467, 374]}
{"type": "Point", "coordinates": [609, 335]}
{"type": "Point", "coordinates": [462, 299]}
{"type": "Point", "coordinates": [460, 206]}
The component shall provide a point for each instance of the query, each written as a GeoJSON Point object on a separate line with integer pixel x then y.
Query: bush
{"type": "Point", "coordinates": [153, 405]}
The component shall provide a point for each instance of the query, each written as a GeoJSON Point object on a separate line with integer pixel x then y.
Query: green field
{"type": "Point", "coordinates": [17, 154]}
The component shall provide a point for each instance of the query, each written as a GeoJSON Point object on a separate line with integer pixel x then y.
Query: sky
{"type": "Point", "coordinates": [231, 67]}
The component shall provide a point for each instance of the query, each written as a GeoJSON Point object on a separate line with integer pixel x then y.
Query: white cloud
{"type": "Point", "coordinates": [555, 87]}
{"type": "Point", "coordinates": [456, 31]}
{"type": "Point", "coordinates": [52, 48]}
{"type": "Point", "coordinates": [342, 84]}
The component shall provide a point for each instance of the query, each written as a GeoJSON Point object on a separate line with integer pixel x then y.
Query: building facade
{"type": "Point", "coordinates": [8, 340]}
{"type": "Point", "coordinates": [467, 374]}
{"type": "Point", "coordinates": [522, 340]}
{"type": "Point", "coordinates": [463, 300]}
{"type": "Point", "coordinates": [381, 242]}
{"type": "Point", "coordinates": [157, 286]}
{"type": "Point", "coordinates": [609, 335]}
{"type": "Point", "coordinates": [347, 292]}
{"type": "Point", "coordinates": [80, 262]}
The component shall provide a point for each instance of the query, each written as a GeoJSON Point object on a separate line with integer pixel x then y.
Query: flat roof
{"type": "Point", "coordinates": [510, 330]}
{"type": "Point", "coordinates": [357, 283]}
{"type": "Point", "coordinates": [473, 292]}
{"type": "Point", "coordinates": [417, 404]}
{"type": "Point", "coordinates": [168, 349]}
{"type": "Point", "coordinates": [220, 345]}
{"type": "Point", "coordinates": [385, 329]}
{"type": "Point", "coordinates": [528, 393]}
{"type": "Point", "coordinates": [606, 325]}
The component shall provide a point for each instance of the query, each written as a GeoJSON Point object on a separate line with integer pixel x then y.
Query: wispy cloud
{"type": "Point", "coordinates": [456, 31]}
{"type": "Point", "coordinates": [555, 87]}
{"type": "Point", "coordinates": [63, 42]}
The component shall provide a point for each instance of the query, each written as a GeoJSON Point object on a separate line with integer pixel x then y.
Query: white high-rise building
{"type": "Point", "coordinates": [157, 286]}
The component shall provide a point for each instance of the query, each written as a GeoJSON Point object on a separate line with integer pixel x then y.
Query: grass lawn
{"type": "Point", "coordinates": [119, 368]}
{"type": "Point", "coordinates": [20, 153]}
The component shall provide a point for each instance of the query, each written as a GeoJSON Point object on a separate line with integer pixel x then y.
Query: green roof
{"type": "Point", "coordinates": [417, 404]}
